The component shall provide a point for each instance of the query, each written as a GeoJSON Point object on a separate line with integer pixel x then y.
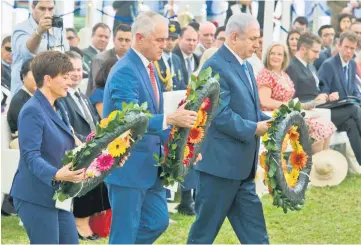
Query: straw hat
{"type": "Point", "coordinates": [329, 168]}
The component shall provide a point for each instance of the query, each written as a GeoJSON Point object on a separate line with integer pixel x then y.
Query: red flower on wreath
{"type": "Point", "coordinates": [299, 159]}
{"type": "Point", "coordinates": [188, 154]}
{"type": "Point", "coordinates": [105, 162]}
{"type": "Point", "coordinates": [206, 104]}
{"type": "Point", "coordinates": [196, 135]}
{"type": "Point", "coordinates": [166, 151]}
{"type": "Point", "coordinates": [182, 102]}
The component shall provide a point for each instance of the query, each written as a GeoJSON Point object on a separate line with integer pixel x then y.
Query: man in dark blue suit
{"type": "Point", "coordinates": [136, 194]}
{"type": "Point", "coordinates": [338, 79]}
{"type": "Point", "coordinates": [226, 186]}
{"type": "Point", "coordinates": [169, 67]}
{"type": "Point", "coordinates": [338, 74]}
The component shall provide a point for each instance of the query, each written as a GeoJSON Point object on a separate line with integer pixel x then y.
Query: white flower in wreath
{"type": "Point", "coordinates": [78, 148]}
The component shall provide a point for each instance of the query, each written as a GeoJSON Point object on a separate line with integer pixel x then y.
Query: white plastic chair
{"type": "Point", "coordinates": [9, 157]}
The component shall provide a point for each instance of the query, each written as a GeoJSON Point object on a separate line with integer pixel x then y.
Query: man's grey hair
{"type": "Point", "coordinates": [146, 22]}
{"type": "Point", "coordinates": [73, 55]}
{"type": "Point", "coordinates": [239, 23]}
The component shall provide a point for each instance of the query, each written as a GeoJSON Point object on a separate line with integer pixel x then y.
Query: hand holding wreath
{"type": "Point", "coordinates": [182, 118]}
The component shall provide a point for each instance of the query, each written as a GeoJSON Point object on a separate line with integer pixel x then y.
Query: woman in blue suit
{"type": "Point", "coordinates": [44, 137]}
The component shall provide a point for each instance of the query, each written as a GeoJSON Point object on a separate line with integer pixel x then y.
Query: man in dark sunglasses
{"type": "Point", "coordinates": [6, 60]}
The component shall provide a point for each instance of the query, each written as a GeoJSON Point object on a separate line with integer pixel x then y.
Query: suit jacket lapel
{"type": "Point", "coordinates": [52, 114]}
{"type": "Point", "coordinates": [237, 66]}
{"type": "Point", "coordinates": [340, 72]}
{"type": "Point", "coordinates": [75, 106]}
{"type": "Point", "coordinates": [144, 74]}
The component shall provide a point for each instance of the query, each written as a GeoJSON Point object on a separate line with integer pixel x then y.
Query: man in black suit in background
{"type": "Point", "coordinates": [100, 41]}
{"type": "Point", "coordinates": [305, 79]}
{"type": "Point", "coordinates": [188, 41]}
{"type": "Point", "coordinates": [82, 115]}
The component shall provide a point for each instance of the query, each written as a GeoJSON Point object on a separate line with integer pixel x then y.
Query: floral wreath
{"type": "Point", "coordinates": [184, 144]}
{"type": "Point", "coordinates": [287, 182]}
{"type": "Point", "coordinates": [105, 148]}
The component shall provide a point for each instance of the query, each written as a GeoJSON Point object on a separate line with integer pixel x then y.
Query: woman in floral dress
{"type": "Point", "coordinates": [276, 88]}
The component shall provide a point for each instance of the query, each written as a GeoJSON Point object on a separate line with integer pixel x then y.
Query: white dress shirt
{"type": "Point", "coordinates": [240, 60]}
{"type": "Point", "coordinates": [311, 70]}
{"type": "Point", "coordinates": [185, 56]}
{"type": "Point", "coordinates": [76, 100]}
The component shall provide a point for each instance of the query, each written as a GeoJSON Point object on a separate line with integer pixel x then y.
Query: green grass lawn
{"type": "Point", "coordinates": [330, 215]}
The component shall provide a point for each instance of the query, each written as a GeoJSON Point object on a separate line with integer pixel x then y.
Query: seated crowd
{"type": "Point", "coordinates": [314, 69]}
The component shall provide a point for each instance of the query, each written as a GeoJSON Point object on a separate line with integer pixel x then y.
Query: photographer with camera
{"type": "Point", "coordinates": [40, 32]}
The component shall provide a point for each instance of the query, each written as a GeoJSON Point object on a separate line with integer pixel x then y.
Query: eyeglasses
{"type": "Point", "coordinates": [315, 51]}
{"type": "Point", "coordinates": [8, 49]}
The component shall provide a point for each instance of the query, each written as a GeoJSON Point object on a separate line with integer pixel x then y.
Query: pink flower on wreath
{"type": "Point", "coordinates": [90, 136]}
{"type": "Point", "coordinates": [92, 170]}
{"type": "Point", "coordinates": [104, 162]}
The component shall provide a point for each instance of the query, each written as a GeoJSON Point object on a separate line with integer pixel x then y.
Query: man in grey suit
{"type": "Point", "coordinates": [122, 41]}
{"type": "Point", "coordinates": [100, 40]}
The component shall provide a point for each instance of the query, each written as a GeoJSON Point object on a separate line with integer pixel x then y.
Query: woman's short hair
{"type": "Point", "coordinates": [25, 68]}
{"type": "Point", "coordinates": [102, 76]}
{"type": "Point", "coordinates": [286, 57]}
{"type": "Point", "coordinates": [51, 63]}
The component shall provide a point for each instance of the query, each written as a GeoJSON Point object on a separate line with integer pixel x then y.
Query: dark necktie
{"type": "Point", "coordinates": [170, 63]}
{"type": "Point", "coordinates": [345, 74]}
{"type": "Point", "coordinates": [87, 115]}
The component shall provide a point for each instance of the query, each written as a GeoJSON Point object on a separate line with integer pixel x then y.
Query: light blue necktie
{"type": "Point", "coordinates": [244, 66]}
{"type": "Point", "coordinates": [345, 74]}
{"type": "Point", "coordinates": [189, 68]}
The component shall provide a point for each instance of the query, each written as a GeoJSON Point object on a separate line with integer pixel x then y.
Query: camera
{"type": "Point", "coordinates": [57, 22]}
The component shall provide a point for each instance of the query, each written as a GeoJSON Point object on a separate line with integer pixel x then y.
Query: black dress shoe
{"type": "Point", "coordinates": [93, 237]}
{"type": "Point", "coordinates": [82, 237]}
{"type": "Point", "coordinates": [187, 209]}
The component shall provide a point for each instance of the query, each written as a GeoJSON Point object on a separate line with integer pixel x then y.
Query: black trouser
{"type": "Point", "coordinates": [348, 118]}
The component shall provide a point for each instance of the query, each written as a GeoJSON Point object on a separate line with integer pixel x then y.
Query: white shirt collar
{"type": "Point", "coordinates": [72, 90]}
{"type": "Point", "coordinates": [27, 90]}
{"type": "Point", "coordinates": [302, 61]}
{"type": "Point", "coordinates": [144, 60]}
{"type": "Point", "coordinates": [166, 56]}
{"type": "Point", "coordinates": [98, 51]}
{"type": "Point", "coordinates": [235, 55]}
{"type": "Point", "coordinates": [185, 56]}
{"type": "Point", "coordinates": [343, 62]}
{"type": "Point", "coordinates": [4, 63]}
